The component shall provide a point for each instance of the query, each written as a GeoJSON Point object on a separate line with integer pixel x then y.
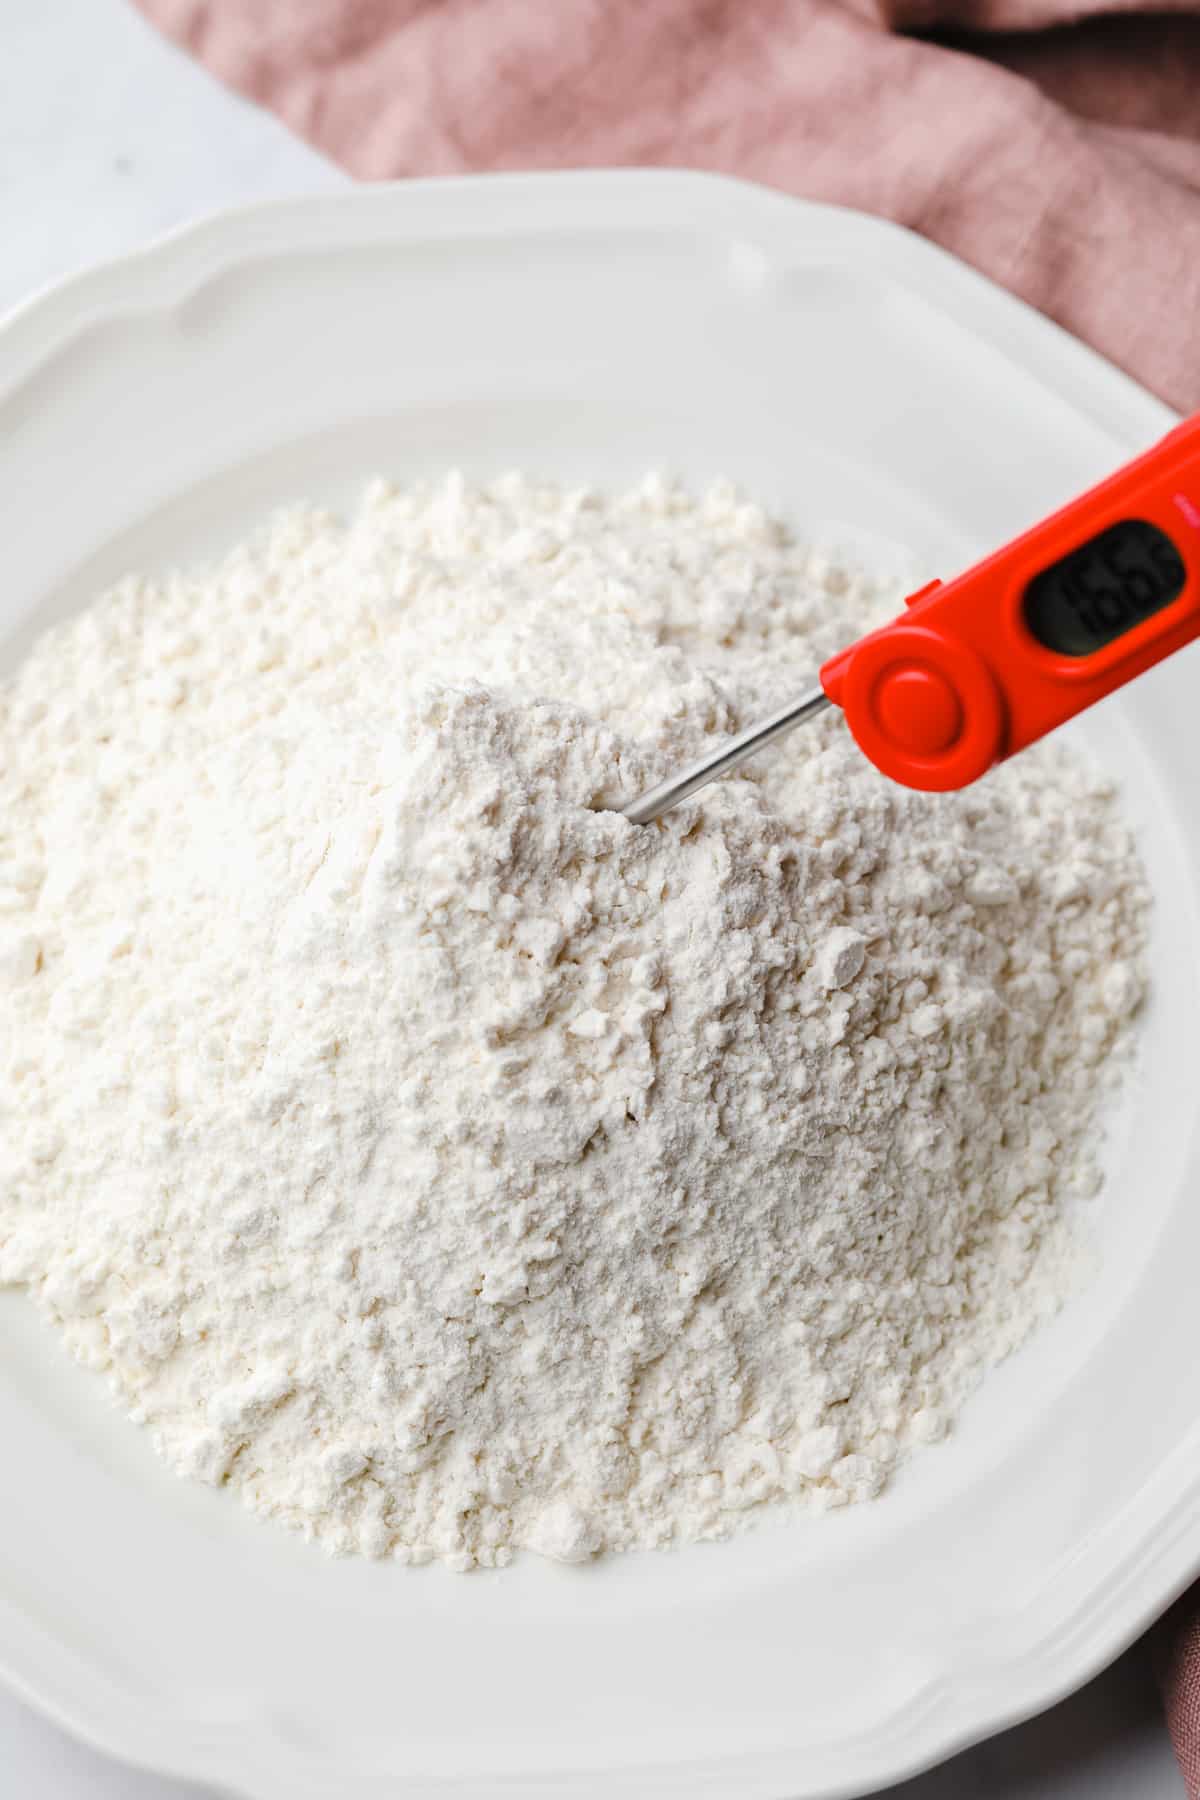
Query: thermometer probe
{"type": "Point", "coordinates": [983, 665]}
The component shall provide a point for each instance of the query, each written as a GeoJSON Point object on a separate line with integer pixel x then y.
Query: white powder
{"type": "Point", "coordinates": [450, 1167]}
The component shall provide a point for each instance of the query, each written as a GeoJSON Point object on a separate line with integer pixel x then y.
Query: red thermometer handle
{"type": "Point", "coordinates": [983, 665]}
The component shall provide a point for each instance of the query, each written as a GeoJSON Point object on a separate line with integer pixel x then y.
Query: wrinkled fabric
{"type": "Point", "coordinates": [1055, 146]}
{"type": "Point", "coordinates": [1058, 153]}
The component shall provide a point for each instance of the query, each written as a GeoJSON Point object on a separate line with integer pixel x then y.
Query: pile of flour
{"type": "Point", "coordinates": [449, 1166]}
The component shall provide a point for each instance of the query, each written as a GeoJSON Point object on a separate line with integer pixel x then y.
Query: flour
{"type": "Point", "coordinates": [449, 1167]}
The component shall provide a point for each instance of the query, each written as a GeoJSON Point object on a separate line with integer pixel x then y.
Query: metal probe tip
{"type": "Point", "coordinates": [729, 755]}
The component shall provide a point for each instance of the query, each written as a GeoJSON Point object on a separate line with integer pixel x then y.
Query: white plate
{"type": "Point", "coordinates": [593, 325]}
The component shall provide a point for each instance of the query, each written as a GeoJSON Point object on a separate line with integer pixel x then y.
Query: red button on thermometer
{"type": "Point", "coordinates": [981, 666]}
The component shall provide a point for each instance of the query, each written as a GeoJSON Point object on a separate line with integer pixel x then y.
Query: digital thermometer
{"type": "Point", "coordinates": [981, 666]}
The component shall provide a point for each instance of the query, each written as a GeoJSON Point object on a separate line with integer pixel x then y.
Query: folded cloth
{"type": "Point", "coordinates": [1059, 154]}
{"type": "Point", "coordinates": [1055, 144]}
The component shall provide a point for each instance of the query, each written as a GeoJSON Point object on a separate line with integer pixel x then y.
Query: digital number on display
{"type": "Point", "coordinates": [1106, 587]}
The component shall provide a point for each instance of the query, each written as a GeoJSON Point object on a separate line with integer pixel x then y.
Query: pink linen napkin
{"type": "Point", "coordinates": [1059, 154]}
{"type": "Point", "coordinates": [1055, 144]}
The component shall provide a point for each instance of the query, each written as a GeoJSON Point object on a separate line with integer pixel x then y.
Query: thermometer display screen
{"type": "Point", "coordinates": [1104, 588]}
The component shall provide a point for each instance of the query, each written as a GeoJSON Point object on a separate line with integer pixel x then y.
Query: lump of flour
{"type": "Point", "coordinates": [450, 1167]}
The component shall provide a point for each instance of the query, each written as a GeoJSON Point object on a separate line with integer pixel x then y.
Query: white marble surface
{"type": "Point", "coordinates": [107, 137]}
